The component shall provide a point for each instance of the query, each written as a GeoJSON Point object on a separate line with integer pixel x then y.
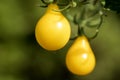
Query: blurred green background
{"type": "Point", "coordinates": [21, 58]}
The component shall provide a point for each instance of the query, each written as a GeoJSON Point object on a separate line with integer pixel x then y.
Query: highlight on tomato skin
{"type": "Point", "coordinates": [53, 30]}
{"type": "Point", "coordinates": [80, 59]}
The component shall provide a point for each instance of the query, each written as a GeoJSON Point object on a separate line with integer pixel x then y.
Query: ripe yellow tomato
{"type": "Point", "coordinates": [80, 59]}
{"type": "Point", "coordinates": [53, 29]}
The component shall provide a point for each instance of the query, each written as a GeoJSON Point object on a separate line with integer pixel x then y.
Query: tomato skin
{"type": "Point", "coordinates": [53, 29]}
{"type": "Point", "coordinates": [80, 59]}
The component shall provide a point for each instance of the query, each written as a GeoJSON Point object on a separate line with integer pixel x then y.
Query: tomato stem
{"type": "Point", "coordinates": [71, 4]}
{"type": "Point", "coordinates": [47, 3]}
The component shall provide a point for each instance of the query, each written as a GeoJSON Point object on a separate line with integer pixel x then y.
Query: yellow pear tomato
{"type": "Point", "coordinates": [80, 59]}
{"type": "Point", "coordinates": [53, 29]}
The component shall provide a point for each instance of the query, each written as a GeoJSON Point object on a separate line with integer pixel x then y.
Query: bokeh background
{"type": "Point", "coordinates": [21, 58]}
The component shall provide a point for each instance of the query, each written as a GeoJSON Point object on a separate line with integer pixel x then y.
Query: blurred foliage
{"type": "Point", "coordinates": [21, 58]}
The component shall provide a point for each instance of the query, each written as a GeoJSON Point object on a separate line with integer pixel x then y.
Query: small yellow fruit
{"type": "Point", "coordinates": [80, 59]}
{"type": "Point", "coordinates": [53, 29]}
